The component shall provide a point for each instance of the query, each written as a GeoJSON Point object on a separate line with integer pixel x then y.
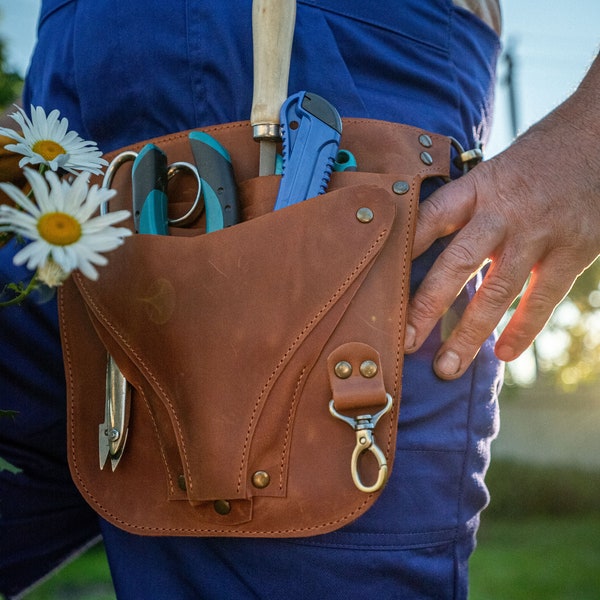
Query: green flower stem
{"type": "Point", "coordinates": [22, 294]}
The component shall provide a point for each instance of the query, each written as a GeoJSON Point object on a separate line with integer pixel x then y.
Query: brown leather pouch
{"type": "Point", "coordinates": [237, 342]}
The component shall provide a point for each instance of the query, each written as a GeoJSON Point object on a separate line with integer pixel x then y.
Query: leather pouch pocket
{"type": "Point", "coordinates": [236, 343]}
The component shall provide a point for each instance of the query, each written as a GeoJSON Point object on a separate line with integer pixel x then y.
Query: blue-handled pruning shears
{"type": "Point", "coordinates": [311, 129]}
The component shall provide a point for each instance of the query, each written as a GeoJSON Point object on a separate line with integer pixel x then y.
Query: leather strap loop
{"type": "Point", "coordinates": [356, 378]}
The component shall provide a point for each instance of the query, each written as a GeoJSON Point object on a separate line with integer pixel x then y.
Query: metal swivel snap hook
{"type": "Point", "coordinates": [364, 443]}
{"type": "Point", "coordinates": [363, 425]}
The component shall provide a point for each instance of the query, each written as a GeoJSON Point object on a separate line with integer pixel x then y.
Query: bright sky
{"type": "Point", "coordinates": [17, 30]}
{"type": "Point", "coordinates": [554, 42]}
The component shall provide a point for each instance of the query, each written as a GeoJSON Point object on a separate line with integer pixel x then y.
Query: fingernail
{"type": "Point", "coordinates": [448, 363]}
{"type": "Point", "coordinates": [410, 337]}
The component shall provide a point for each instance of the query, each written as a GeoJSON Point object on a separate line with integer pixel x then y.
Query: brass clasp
{"type": "Point", "coordinates": [364, 425]}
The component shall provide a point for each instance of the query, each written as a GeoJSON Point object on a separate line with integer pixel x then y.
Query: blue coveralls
{"type": "Point", "coordinates": [126, 71]}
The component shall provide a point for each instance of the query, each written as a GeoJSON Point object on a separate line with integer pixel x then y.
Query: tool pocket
{"type": "Point", "coordinates": [265, 359]}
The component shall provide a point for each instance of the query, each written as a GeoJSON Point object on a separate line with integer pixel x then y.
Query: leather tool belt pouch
{"type": "Point", "coordinates": [237, 342]}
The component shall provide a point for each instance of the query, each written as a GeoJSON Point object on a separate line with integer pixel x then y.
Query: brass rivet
{"type": "Point", "coordinates": [261, 479]}
{"type": "Point", "coordinates": [426, 158]}
{"type": "Point", "coordinates": [425, 141]}
{"type": "Point", "coordinates": [400, 187]}
{"type": "Point", "coordinates": [181, 483]}
{"type": "Point", "coordinates": [343, 369]}
{"type": "Point", "coordinates": [364, 215]}
{"type": "Point", "coordinates": [368, 369]}
{"type": "Point", "coordinates": [223, 507]}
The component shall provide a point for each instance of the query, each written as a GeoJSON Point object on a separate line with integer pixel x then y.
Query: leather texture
{"type": "Point", "coordinates": [230, 340]}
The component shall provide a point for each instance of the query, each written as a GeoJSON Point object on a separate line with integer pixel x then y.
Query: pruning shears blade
{"type": "Point", "coordinates": [112, 433]}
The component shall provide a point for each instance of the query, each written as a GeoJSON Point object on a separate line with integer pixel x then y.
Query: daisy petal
{"type": "Point", "coordinates": [54, 145]}
{"type": "Point", "coordinates": [19, 197]}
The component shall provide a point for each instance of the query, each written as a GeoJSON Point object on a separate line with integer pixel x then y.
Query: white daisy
{"type": "Point", "coordinates": [61, 228]}
{"type": "Point", "coordinates": [45, 141]}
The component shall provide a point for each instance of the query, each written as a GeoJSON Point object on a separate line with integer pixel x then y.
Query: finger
{"type": "Point", "coordinates": [455, 266]}
{"type": "Point", "coordinates": [547, 287]}
{"type": "Point", "coordinates": [500, 287]}
{"type": "Point", "coordinates": [443, 213]}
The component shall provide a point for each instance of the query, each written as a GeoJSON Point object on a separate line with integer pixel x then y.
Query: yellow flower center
{"type": "Point", "coordinates": [48, 149]}
{"type": "Point", "coordinates": [59, 229]}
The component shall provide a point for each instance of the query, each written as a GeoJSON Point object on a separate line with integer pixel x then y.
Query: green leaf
{"type": "Point", "coordinates": [6, 466]}
{"type": "Point", "coordinates": [8, 413]}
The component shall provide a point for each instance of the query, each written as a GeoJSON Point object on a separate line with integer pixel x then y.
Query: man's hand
{"type": "Point", "coordinates": [533, 212]}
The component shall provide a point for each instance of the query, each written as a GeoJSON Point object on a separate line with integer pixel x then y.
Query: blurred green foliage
{"type": "Point", "coordinates": [540, 536]}
{"type": "Point", "coordinates": [539, 558]}
{"type": "Point", "coordinates": [11, 83]}
{"type": "Point", "coordinates": [520, 490]}
{"type": "Point", "coordinates": [579, 363]}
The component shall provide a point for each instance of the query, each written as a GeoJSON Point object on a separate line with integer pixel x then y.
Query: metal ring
{"type": "Point", "coordinates": [115, 164]}
{"type": "Point", "coordinates": [466, 159]}
{"type": "Point", "coordinates": [192, 214]}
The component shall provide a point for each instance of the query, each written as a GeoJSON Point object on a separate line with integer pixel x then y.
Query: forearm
{"type": "Point", "coordinates": [586, 99]}
{"type": "Point", "coordinates": [578, 120]}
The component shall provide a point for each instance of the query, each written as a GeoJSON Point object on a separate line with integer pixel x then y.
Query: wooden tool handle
{"type": "Point", "coordinates": [273, 30]}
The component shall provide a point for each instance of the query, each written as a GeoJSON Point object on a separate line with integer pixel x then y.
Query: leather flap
{"type": "Point", "coordinates": [236, 305]}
